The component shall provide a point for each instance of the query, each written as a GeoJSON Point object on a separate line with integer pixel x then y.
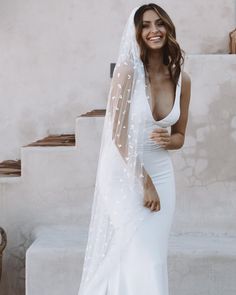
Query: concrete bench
{"type": "Point", "coordinates": [198, 264]}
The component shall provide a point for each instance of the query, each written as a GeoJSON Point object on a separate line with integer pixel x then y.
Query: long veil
{"type": "Point", "coordinates": [118, 209]}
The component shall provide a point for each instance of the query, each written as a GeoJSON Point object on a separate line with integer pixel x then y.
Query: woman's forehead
{"type": "Point", "coordinates": [150, 15]}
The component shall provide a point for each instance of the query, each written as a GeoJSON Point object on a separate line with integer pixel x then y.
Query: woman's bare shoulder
{"type": "Point", "coordinates": [186, 86]}
{"type": "Point", "coordinates": [186, 79]}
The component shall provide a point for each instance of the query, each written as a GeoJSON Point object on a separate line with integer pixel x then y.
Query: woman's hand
{"type": "Point", "coordinates": [161, 136]}
{"type": "Point", "coordinates": [151, 199]}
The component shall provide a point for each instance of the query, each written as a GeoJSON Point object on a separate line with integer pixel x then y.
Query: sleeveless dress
{"type": "Point", "coordinates": [143, 268]}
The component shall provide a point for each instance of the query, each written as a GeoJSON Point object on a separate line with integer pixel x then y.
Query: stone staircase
{"type": "Point", "coordinates": [52, 186]}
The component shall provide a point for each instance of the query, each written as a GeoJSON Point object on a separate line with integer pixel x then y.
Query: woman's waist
{"type": "Point", "coordinates": [158, 163]}
{"type": "Point", "coordinates": [149, 145]}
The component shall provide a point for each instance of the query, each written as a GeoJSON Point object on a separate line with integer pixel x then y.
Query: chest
{"type": "Point", "coordinates": [161, 97]}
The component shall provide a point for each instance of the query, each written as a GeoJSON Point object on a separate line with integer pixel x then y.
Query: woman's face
{"type": "Point", "coordinates": [153, 31]}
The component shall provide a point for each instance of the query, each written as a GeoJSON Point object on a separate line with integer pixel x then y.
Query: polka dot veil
{"type": "Point", "coordinates": [118, 209]}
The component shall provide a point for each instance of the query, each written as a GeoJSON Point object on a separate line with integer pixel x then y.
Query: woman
{"type": "Point", "coordinates": [134, 196]}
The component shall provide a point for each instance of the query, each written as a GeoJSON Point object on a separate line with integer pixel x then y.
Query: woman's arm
{"type": "Point", "coordinates": [175, 140]}
{"type": "Point", "coordinates": [118, 108]}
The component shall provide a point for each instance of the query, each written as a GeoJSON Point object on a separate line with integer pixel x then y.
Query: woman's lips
{"type": "Point", "coordinates": [157, 38]}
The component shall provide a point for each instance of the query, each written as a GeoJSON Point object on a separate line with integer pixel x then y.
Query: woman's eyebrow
{"type": "Point", "coordinates": [147, 21]}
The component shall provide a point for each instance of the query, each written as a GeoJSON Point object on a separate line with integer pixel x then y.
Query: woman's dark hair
{"type": "Point", "coordinates": [172, 54]}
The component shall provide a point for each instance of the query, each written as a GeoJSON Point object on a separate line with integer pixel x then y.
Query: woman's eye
{"type": "Point", "coordinates": [158, 24]}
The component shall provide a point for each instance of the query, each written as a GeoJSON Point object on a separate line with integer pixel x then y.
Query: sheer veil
{"type": "Point", "coordinates": [118, 209]}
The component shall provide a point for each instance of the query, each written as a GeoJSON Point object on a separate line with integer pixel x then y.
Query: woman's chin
{"type": "Point", "coordinates": [155, 47]}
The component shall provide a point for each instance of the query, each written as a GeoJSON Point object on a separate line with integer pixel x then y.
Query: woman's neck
{"type": "Point", "coordinates": [155, 61]}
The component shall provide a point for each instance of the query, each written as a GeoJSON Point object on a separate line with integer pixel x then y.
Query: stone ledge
{"type": "Point", "coordinates": [95, 113]}
{"type": "Point", "coordinates": [55, 140]}
{"type": "Point", "coordinates": [10, 168]}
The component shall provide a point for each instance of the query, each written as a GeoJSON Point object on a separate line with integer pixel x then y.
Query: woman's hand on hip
{"type": "Point", "coordinates": [161, 136]}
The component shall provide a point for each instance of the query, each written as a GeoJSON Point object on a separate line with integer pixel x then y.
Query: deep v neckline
{"type": "Point", "coordinates": [150, 96]}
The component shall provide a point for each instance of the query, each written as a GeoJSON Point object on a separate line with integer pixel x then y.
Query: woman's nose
{"type": "Point", "coordinates": [154, 28]}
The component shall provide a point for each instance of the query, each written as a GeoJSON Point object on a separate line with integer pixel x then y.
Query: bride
{"type": "Point", "coordinates": [134, 197]}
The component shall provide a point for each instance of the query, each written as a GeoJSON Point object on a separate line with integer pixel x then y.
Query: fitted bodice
{"type": "Point", "coordinates": [168, 121]}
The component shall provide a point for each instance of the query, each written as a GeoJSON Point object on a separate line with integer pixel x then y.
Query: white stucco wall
{"type": "Point", "coordinates": [55, 56]}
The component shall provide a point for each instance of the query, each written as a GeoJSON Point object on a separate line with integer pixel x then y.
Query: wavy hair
{"type": "Point", "coordinates": [173, 55]}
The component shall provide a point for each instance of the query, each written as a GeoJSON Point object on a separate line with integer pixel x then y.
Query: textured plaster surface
{"type": "Point", "coordinates": [205, 166]}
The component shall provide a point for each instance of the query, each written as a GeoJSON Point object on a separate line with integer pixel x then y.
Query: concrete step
{"type": "Point", "coordinates": [10, 168]}
{"type": "Point", "coordinates": [55, 140]}
{"type": "Point", "coordinates": [198, 264]}
{"type": "Point", "coordinates": [54, 260]}
{"type": "Point", "coordinates": [88, 132]}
